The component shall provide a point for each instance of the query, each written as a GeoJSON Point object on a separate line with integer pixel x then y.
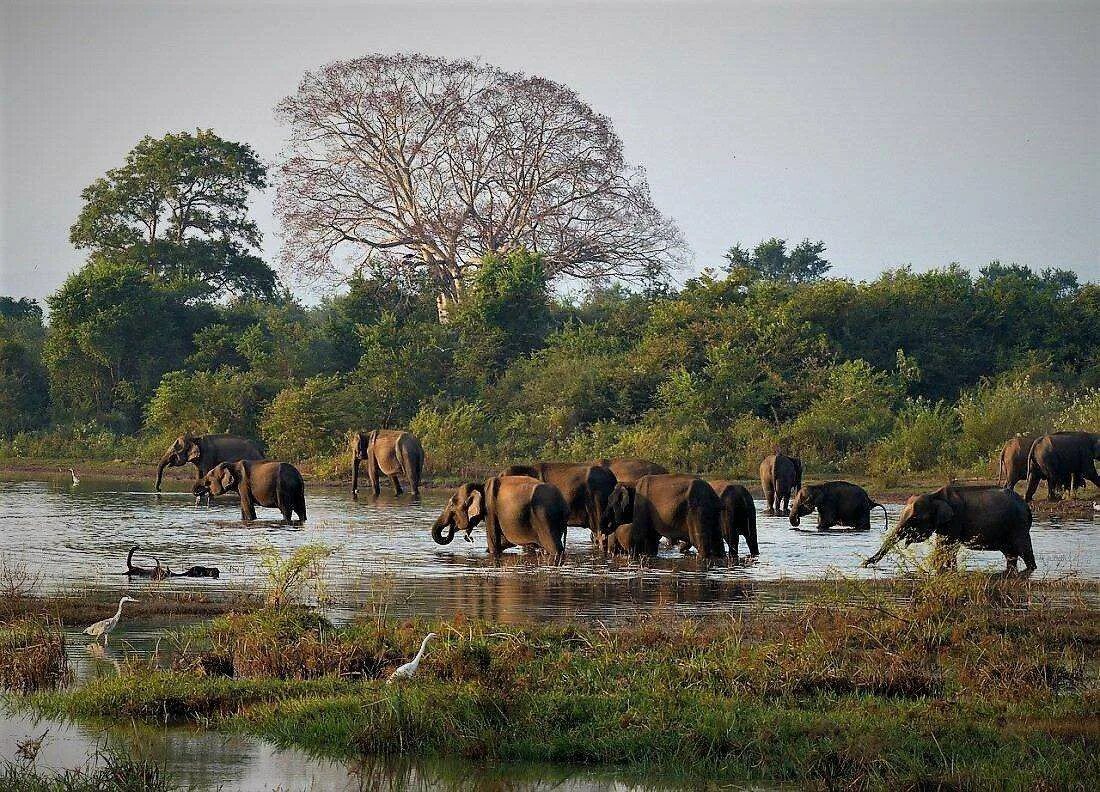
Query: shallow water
{"type": "Point", "coordinates": [78, 537]}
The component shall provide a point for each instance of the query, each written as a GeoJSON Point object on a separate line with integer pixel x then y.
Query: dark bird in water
{"type": "Point", "coordinates": [161, 572]}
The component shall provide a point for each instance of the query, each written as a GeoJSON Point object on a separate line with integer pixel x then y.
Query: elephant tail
{"type": "Point", "coordinates": [885, 514]}
{"type": "Point", "coordinates": [279, 494]}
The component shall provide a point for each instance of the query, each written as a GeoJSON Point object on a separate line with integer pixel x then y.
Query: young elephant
{"type": "Point", "coordinates": [616, 526]}
{"type": "Point", "coordinates": [982, 518]}
{"type": "Point", "coordinates": [680, 508]}
{"type": "Point", "coordinates": [517, 511]}
{"type": "Point", "coordinates": [387, 452]}
{"type": "Point", "coordinates": [738, 515]}
{"type": "Point", "coordinates": [837, 503]}
{"type": "Point", "coordinates": [1012, 466]}
{"type": "Point", "coordinates": [269, 484]}
{"type": "Point", "coordinates": [780, 475]}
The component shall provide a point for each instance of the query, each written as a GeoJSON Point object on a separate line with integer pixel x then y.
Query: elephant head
{"type": "Point", "coordinates": [797, 472]}
{"type": "Point", "coordinates": [804, 502]}
{"type": "Point", "coordinates": [186, 448]}
{"type": "Point", "coordinates": [922, 516]}
{"type": "Point", "coordinates": [620, 508]}
{"type": "Point", "coordinates": [223, 478]}
{"type": "Point", "coordinates": [463, 512]}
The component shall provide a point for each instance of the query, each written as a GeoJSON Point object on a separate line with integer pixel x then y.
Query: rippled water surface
{"type": "Point", "coordinates": [78, 536]}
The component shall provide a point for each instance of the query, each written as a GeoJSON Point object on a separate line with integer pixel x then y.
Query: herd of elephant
{"type": "Point", "coordinates": [629, 505]}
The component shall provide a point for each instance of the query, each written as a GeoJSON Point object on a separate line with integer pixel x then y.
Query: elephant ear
{"type": "Point", "coordinates": [227, 477]}
{"type": "Point", "coordinates": [475, 505]}
{"type": "Point", "coordinates": [943, 513]}
{"type": "Point", "coordinates": [194, 450]}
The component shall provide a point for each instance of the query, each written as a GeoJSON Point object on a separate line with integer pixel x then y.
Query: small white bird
{"type": "Point", "coordinates": [406, 671]}
{"type": "Point", "coordinates": [73, 473]}
{"type": "Point", "coordinates": [104, 627]}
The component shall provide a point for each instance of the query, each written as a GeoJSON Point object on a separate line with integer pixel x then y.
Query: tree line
{"type": "Point", "coordinates": [449, 200]}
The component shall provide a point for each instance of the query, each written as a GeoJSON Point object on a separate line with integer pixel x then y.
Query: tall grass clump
{"type": "Point", "coordinates": [458, 436]}
{"type": "Point", "coordinates": [999, 409]}
{"type": "Point", "coordinates": [32, 655]}
{"type": "Point", "coordinates": [105, 771]}
{"type": "Point", "coordinates": [923, 438]}
{"type": "Point", "coordinates": [296, 579]}
{"type": "Point", "coordinates": [1083, 413]}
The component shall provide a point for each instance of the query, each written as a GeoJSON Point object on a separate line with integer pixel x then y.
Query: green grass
{"type": "Point", "coordinates": [104, 772]}
{"type": "Point", "coordinates": [973, 683]}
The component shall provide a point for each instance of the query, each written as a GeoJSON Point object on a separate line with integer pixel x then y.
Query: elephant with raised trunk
{"type": "Point", "coordinates": [205, 452]}
{"type": "Point", "coordinates": [981, 518]}
{"type": "Point", "coordinates": [276, 485]}
{"type": "Point", "coordinates": [837, 503]}
{"type": "Point", "coordinates": [1064, 459]}
{"type": "Point", "coordinates": [1012, 466]}
{"type": "Point", "coordinates": [738, 516]}
{"type": "Point", "coordinates": [585, 488]}
{"type": "Point", "coordinates": [780, 475]}
{"type": "Point", "coordinates": [518, 511]}
{"type": "Point", "coordinates": [683, 509]}
{"type": "Point", "coordinates": [387, 452]}
{"type": "Point", "coordinates": [628, 470]}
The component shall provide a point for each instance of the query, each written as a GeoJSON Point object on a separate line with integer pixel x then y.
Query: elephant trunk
{"type": "Point", "coordinates": [165, 461]}
{"type": "Point", "coordinates": [750, 532]}
{"type": "Point", "coordinates": [891, 539]}
{"type": "Point", "coordinates": [437, 531]}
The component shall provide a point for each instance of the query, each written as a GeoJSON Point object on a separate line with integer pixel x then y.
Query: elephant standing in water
{"type": "Point", "coordinates": [683, 509]}
{"type": "Point", "coordinates": [205, 452]}
{"type": "Point", "coordinates": [780, 475]}
{"type": "Point", "coordinates": [585, 488]}
{"type": "Point", "coordinates": [981, 518]}
{"type": "Point", "coordinates": [388, 452]}
{"type": "Point", "coordinates": [1012, 466]}
{"type": "Point", "coordinates": [628, 470]}
{"type": "Point", "coordinates": [837, 503]}
{"type": "Point", "coordinates": [738, 515]}
{"type": "Point", "coordinates": [518, 511]}
{"type": "Point", "coordinates": [1064, 459]}
{"type": "Point", "coordinates": [271, 484]}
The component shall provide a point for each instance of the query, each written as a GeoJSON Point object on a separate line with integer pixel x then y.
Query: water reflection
{"type": "Point", "coordinates": [79, 536]}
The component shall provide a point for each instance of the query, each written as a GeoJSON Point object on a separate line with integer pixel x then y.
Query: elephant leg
{"type": "Point", "coordinates": [1052, 490]}
{"type": "Point", "coordinates": [374, 473]}
{"type": "Point", "coordinates": [300, 507]}
{"type": "Point", "coordinates": [1092, 476]}
{"type": "Point", "coordinates": [1023, 546]}
{"type": "Point", "coordinates": [355, 476]}
{"type": "Point", "coordinates": [396, 484]}
{"type": "Point", "coordinates": [1032, 484]}
{"type": "Point", "coordinates": [769, 499]}
{"type": "Point", "coordinates": [1011, 569]}
{"type": "Point", "coordinates": [550, 543]}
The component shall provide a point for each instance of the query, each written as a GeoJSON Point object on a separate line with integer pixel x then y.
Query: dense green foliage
{"type": "Point", "coordinates": [173, 325]}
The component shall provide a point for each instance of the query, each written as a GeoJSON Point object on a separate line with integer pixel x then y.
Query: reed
{"type": "Point", "coordinates": [32, 655]}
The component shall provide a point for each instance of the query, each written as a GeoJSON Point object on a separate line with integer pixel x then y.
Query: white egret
{"type": "Point", "coordinates": [406, 671]}
{"type": "Point", "coordinates": [104, 627]}
{"type": "Point", "coordinates": [73, 474]}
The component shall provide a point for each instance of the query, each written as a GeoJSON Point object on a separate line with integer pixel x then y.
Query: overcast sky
{"type": "Point", "coordinates": [895, 132]}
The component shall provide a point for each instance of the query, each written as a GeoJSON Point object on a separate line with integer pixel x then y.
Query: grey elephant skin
{"type": "Point", "coordinates": [1012, 466]}
{"type": "Point", "coordinates": [1064, 459]}
{"type": "Point", "coordinates": [837, 503]}
{"type": "Point", "coordinates": [738, 515]}
{"type": "Point", "coordinates": [276, 485]}
{"type": "Point", "coordinates": [683, 509]}
{"type": "Point", "coordinates": [205, 452]}
{"type": "Point", "coordinates": [780, 475]}
{"type": "Point", "coordinates": [628, 470]}
{"type": "Point", "coordinates": [518, 511]}
{"type": "Point", "coordinates": [981, 518]}
{"type": "Point", "coordinates": [586, 489]}
{"type": "Point", "coordinates": [387, 452]}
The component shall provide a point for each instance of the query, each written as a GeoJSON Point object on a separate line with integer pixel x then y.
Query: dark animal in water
{"type": "Point", "coordinates": [161, 572]}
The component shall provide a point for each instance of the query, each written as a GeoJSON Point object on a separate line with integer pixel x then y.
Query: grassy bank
{"type": "Point", "coordinates": [975, 682]}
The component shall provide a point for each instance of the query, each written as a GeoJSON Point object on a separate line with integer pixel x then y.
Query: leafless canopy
{"type": "Point", "coordinates": [442, 161]}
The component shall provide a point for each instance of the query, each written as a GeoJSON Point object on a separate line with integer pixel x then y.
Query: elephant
{"type": "Point", "coordinates": [681, 508]}
{"type": "Point", "coordinates": [780, 475]}
{"type": "Point", "coordinates": [981, 518]}
{"type": "Point", "coordinates": [269, 484]}
{"type": "Point", "coordinates": [837, 503]}
{"type": "Point", "coordinates": [205, 452]}
{"type": "Point", "coordinates": [585, 488]}
{"type": "Point", "coordinates": [738, 516]}
{"type": "Point", "coordinates": [518, 511]}
{"type": "Point", "coordinates": [628, 470]}
{"type": "Point", "coordinates": [388, 452]}
{"type": "Point", "coordinates": [617, 525]}
{"type": "Point", "coordinates": [1064, 459]}
{"type": "Point", "coordinates": [1012, 467]}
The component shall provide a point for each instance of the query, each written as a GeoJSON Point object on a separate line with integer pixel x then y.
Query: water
{"type": "Point", "coordinates": [78, 537]}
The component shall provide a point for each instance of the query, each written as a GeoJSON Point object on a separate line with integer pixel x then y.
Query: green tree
{"type": "Point", "coordinates": [771, 261]}
{"type": "Point", "coordinates": [23, 389]}
{"type": "Point", "coordinates": [179, 207]}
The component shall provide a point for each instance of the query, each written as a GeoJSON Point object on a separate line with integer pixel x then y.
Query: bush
{"type": "Point", "coordinates": [922, 439]}
{"type": "Point", "coordinates": [23, 388]}
{"type": "Point", "coordinates": [309, 420]}
{"type": "Point", "coordinates": [79, 441]}
{"type": "Point", "coordinates": [457, 435]}
{"type": "Point", "coordinates": [1083, 412]}
{"type": "Point", "coordinates": [204, 402]}
{"type": "Point", "coordinates": [996, 411]}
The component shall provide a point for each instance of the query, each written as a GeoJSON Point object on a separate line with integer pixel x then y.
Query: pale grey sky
{"type": "Point", "coordinates": [896, 132]}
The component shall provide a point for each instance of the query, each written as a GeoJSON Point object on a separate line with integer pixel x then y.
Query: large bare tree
{"type": "Point", "coordinates": [440, 161]}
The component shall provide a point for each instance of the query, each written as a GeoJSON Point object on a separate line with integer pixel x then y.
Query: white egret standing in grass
{"type": "Point", "coordinates": [104, 627]}
{"type": "Point", "coordinates": [406, 671]}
